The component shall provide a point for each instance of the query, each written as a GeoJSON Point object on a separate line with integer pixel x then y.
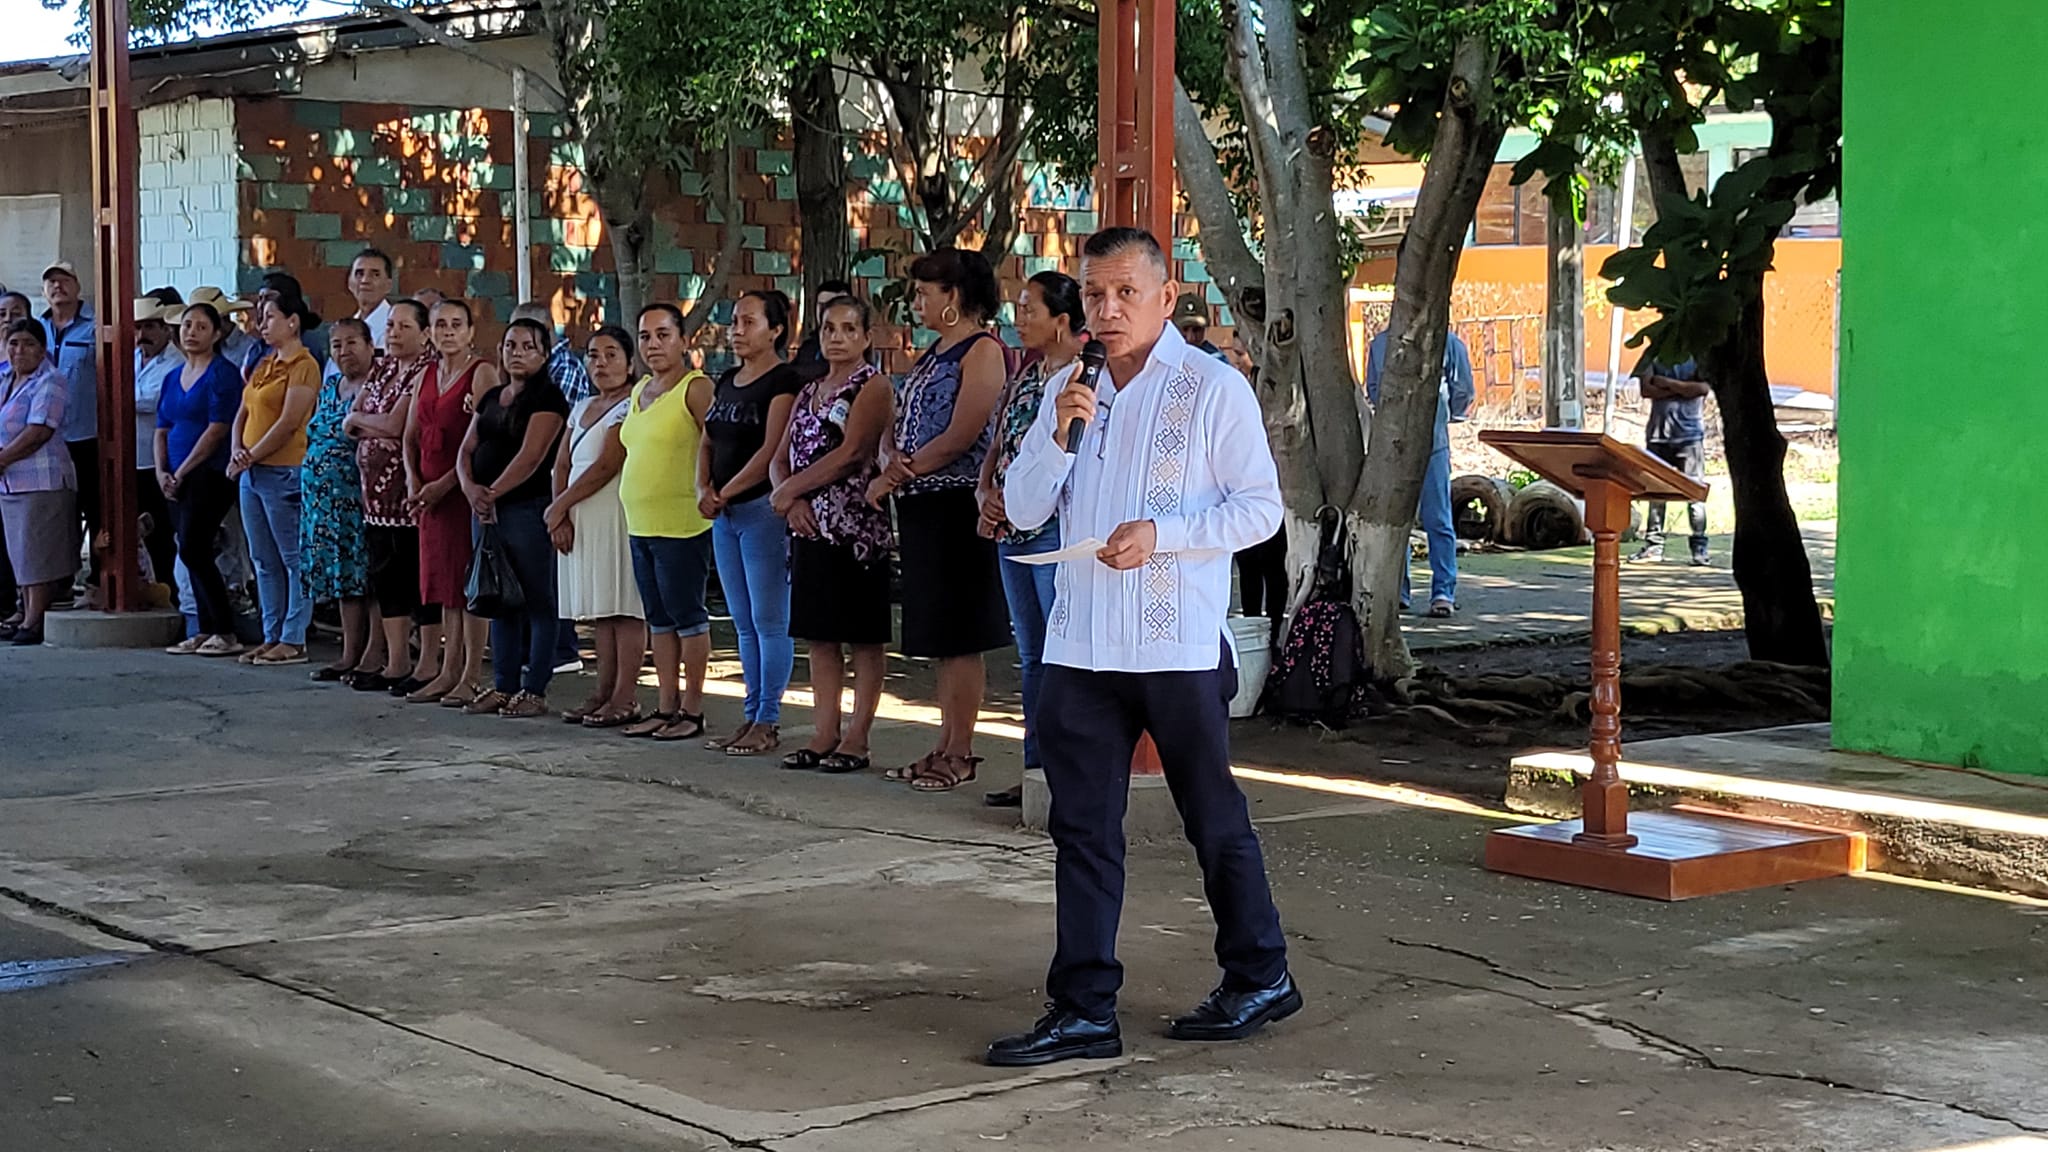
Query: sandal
{"type": "Point", "coordinates": [913, 770]}
{"type": "Point", "coordinates": [840, 763]}
{"type": "Point", "coordinates": [618, 719]}
{"type": "Point", "coordinates": [190, 645]}
{"type": "Point", "coordinates": [524, 705]}
{"type": "Point", "coordinates": [943, 777]}
{"type": "Point", "coordinates": [651, 723]}
{"type": "Point", "coordinates": [329, 674]}
{"type": "Point", "coordinates": [752, 744]}
{"type": "Point", "coordinates": [485, 702]}
{"type": "Point", "coordinates": [281, 655]}
{"type": "Point", "coordinates": [427, 694]}
{"type": "Point", "coordinates": [682, 726]}
{"type": "Point", "coordinates": [720, 744]}
{"type": "Point", "coordinates": [254, 654]}
{"type": "Point", "coordinates": [804, 760]}
{"type": "Point", "coordinates": [583, 711]}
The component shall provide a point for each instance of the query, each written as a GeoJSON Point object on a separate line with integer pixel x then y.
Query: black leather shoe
{"type": "Point", "coordinates": [1058, 1035]}
{"type": "Point", "coordinates": [1228, 1015]}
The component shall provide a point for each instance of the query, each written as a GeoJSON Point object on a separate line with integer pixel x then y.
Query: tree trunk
{"type": "Point", "coordinates": [1461, 157]}
{"type": "Point", "coordinates": [723, 183]}
{"type": "Point", "coordinates": [629, 224]}
{"type": "Point", "coordinates": [820, 166]}
{"type": "Point", "coordinates": [1780, 618]}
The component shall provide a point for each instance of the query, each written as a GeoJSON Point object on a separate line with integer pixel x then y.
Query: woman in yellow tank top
{"type": "Point", "coordinates": [670, 539]}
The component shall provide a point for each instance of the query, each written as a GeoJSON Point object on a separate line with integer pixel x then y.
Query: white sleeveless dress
{"type": "Point", "coordinates": [595, 579]}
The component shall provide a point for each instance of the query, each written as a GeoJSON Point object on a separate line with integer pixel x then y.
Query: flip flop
{"type": "Point", "coordinates": [694, 721]}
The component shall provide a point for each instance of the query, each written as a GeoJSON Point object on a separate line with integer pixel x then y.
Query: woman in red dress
{"type": "Point", "coordinates": [433, 438]}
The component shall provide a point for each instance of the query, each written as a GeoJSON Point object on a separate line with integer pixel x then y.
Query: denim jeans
{"type": "Point", "coordinates": [270, 518]}
{"type": "Point", "coordinates": [1029, 589]}
{"type": "Point", "coordinates": [752, 546]}
{"type": "Point", "coordinates": [1434, 514]}
{"type": "Point", "coordinates": [523, 642]}
{"type": "Point", "coordinates": [1689, 457]}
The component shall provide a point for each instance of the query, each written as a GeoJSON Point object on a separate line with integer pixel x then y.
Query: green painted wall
{"type": "Point", "coordinates": [1941, 635]}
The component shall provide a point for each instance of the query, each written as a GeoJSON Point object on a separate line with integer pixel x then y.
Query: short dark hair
{"type": "Point", "coordinates": [1119, 241]}
{"type": "Point", "coordinates": [379, 254]}
{"type": "Point", "coordinates": [837, 286]}
{"type": "Point", "coordinates": [775, 304]}
{"type": "Point", "coordinates": [31, 328]}
{"type": "Point", "coordinates": [459, 305]}
{"type": "Point", "coordinates": [674, 313]}
{"type": "Point", "coordinates": [861, 308]}
{"type": "Point", "coordinates": [282, 283]}
{"type": "Point", "coordinates": [166, 295]}
{"type": "Point", "coordinates": [421, 315]}
{"type": "Point", "coordinates": [26, 303]}
{"type": "Point", "coordinates": [964, 271]}
{"type": "Point", "coordinates": [1062, 296]}
{"type": "Point", "coordinates": [212, 314]}
{"type": "Point", "coordinates": [616, 335]}
{"type": "Point", "coordinates": [350, 323]}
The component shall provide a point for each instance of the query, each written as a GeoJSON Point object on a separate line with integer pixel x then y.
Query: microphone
{"type": "Point", "coordinates": [1093, 355]}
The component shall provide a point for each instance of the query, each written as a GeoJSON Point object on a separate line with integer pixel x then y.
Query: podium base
{"type": "Point", "coordinates": [1678, 854]}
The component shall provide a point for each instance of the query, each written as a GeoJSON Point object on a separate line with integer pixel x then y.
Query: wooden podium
{"type": "Point", "coordinates": [1666, 855]}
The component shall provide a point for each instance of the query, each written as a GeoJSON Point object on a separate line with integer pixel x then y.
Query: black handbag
{"type": "Point", "coordinates": [493, 590]}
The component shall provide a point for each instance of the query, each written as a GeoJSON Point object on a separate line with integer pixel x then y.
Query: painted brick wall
{"type": "Point", "coordinates": [186, 194]}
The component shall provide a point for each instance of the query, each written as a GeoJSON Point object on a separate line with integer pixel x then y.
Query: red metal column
{"type": "Point", "coordinates": [114, 153]}
{"type": "Point", "coordinates": [1134, 179]}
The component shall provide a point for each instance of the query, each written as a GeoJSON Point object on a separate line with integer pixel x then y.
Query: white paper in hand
{"type": "Point", "coordinates": [1085, 550]}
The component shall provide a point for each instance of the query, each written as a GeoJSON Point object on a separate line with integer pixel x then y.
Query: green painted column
{"type": "Point", "coordinates": [1941, 637]}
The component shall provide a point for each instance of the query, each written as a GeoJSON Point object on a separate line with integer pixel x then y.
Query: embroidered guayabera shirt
{"type": "Point", "coordinates": [1181, 445]}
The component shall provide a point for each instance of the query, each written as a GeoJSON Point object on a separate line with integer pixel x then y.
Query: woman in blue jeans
{"type": "Point", "coordinates": [743, 428]}
{"type": "Point", "coordinates": [504, 476]}
{"type": "Point", "coordinates": [270, 443]}
{"type": "Point", "coordinates": [1049, 322]}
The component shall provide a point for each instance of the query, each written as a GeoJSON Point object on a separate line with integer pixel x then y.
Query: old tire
{"type": "Point", "coordinates": [1479, 507]}
{"type": "Point", "coordinates": [1543, 515]}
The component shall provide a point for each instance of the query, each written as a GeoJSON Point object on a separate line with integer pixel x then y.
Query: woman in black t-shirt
{"type": "Point", "coordinates": [742, 430]}
{"type": "Point", "coordinates": [504, 478]}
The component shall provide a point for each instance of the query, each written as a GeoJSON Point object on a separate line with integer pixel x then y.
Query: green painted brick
{"type": "Point", "coordinates": [865, 167]}
{"type": "Point", "coordinates": [316, 226]}
{"type": "Point", "coordinates": [546, 230]}
{"type": "Point", "coordinates": [408, 201]}
{"type": "Point", "coordinates": [753, 237]}
{"type": "Point", "coordinates": [378, 172]}
{"type": "Point", "coordinates": [462, 256]}
{"type": "Point", "coordinates": [885, 192]}
{"type": "Point", "coordinates": [564, 258]}
{"type": "Point", "coordinates": [1024, 245]}
{"type": "Point", "coordinates": [1213, 294]}
{"type": "Point", "coordinates": [689, 287]}
{"type": "Point", "coordinates": [872, 267]}
{"type": "Point", "coordinates": [433, 229]}
{"type": "Point", "coordinates": [790, 286]}
{"type": "Point", "coordinates": [316, 113]}
{"type": "Point", "coordinates": [566, 153]}
{"type": "Point", "coordinates": [546, 124]}
{"type": "Point", "coordinates": [773, 162]}
{"type": "Point", "coordinates": [501, 307]}
{"type": "Point", "coordinates": [285, 197]}
{"type": "Point", "coordinates": [1194, 272]}
{"type": "Point", "coordinates": [1186, 249]}
{"type": "Point", "coordinates": [598, 284]}
{"type": "Point", "coordinates": [1033, 265]}
{"type": "Point", "coordinates": [772, 263]}
{"type": "Point", "coordinates": [348, 142]}
{"type": "Point", "coordinates": [673, 261]}
{"type": "Point", "coordinates": [1081, 223]}
{"type": "Point", "coordinates": [508, 205]}
{"type": "Point", "coordinates": [264, 168]}
{"type": "Point", "coordinates": [340, 253]}
{"type": "Point", "coordinates": [748, 137]}
{"type": "Point", "coordinates": [486, 285]}
{"type": "Point", "coordinates": [785, 187]}
{"type": "Point", "coordinates": [1224, 318]}
{"type": "Point", "coordinates": [712, 213]}
{"type": "Point", "coordinates": [691, 184]}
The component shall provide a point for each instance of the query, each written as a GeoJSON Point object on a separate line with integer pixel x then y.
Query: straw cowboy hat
{"type": "Point", "coordinates": [218, 300]}
{"type": "Point", "coordinates": [146, 308]}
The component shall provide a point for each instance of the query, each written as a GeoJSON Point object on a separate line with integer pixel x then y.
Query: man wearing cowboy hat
{"type": "Point", "coordinates": [156, 356]}
{"type": "Point", "coordinates": [68, 323]}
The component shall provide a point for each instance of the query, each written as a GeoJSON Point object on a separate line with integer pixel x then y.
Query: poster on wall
{"type": "Point", "coordinates": [29, 239]}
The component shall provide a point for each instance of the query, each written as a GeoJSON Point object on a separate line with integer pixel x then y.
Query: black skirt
{"type": "Point", "coordinates": [835, 598]}
{"type": "Point", "coordinates": [952, 589]}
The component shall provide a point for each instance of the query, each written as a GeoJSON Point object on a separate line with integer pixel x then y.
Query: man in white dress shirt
{"type": "Point", "coordinates": [370, 280]}
{"type": "Point", "coordinates": [1174, 472]}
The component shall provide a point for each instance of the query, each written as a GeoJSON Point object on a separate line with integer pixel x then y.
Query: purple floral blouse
{"type": "Point", "coordinates": [817, 426]}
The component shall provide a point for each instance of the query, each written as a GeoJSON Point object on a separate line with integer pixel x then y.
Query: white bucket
{"type": "Point", "coordinates": [1252, 636]}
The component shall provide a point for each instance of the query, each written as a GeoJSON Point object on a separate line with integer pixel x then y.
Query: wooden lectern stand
{"type": "Point", "coordinates": [1668, 855]}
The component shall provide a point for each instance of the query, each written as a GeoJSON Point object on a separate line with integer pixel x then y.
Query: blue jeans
{"type": "Point", "coordinates": [1029, 589]}
{"type": "Point", "coordinates": [1434, 515]}
{"type": "Point", "coordinates": [523, 642]}
{"type": "Point", "coordinates": [270, 518]}
{"type": "Point", "coordinates": [752, 546]}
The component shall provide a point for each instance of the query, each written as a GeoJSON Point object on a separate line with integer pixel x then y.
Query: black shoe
{"type": "Point", "coordinates": [1058, 1035]}
{"type": "Point", "coordinates": [369, 682]}
{"type": "Point", "coordinates": [26, 637]}
{"type": "Point", "coordinates": [1228, 1015]}
{"type": "Point", "coordinates": [1004, 798]}
{"type": "Point", "coordinates": [405, 687]}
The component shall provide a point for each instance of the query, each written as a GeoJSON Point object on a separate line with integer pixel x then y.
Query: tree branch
{"type": "Point", "coordinates": [725, 194]}
{"type": "Point", "coordinates": [453, 43]}
{"type": "Point", "coordinates": [1247, 73]}
{"type": "Point", "coordinates": [1223, 244]}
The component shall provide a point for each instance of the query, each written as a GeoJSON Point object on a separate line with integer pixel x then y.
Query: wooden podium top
{"type": "Point", "coordinates": [1570, 459]}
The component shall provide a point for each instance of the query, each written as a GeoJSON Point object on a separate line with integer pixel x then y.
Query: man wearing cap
{"type": "Point", "coordinates": [156, 357]}
{"type": "Point", "coordinates": [1191, 316]}
{"type": "Point", "coordinates": [68, 321]}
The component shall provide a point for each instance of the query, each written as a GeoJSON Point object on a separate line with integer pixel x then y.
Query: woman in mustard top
{"type": "Point", "coordinates": [670, 539]}
{"type": "Point", "coordinates": [270, 444]}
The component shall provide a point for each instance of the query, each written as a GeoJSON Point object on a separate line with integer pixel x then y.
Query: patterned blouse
{"type": "Point", "coordinates": [924, 408]}
{"type": "Point", "coordinates": [382, 461]}
{"type": "Point", "coordinates": [843, 513]}
{"type": "Point", "coordinates": [1018, 411]}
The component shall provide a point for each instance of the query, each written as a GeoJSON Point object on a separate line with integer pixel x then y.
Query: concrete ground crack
{"type": "Point", "coordinates": [1288, 1125]}
{"type": "Point", "coordinates": [1491, 965]}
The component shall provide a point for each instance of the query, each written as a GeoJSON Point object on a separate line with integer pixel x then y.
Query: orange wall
{"type": "Point", "coordinates": [1799, 298]}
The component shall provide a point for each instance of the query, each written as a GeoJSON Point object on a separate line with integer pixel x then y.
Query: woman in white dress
{"type": "Point", "coordinates": [594, 570]}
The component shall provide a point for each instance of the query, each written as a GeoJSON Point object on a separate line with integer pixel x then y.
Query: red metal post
{"type": "Point", "coordinates": [114, 155]}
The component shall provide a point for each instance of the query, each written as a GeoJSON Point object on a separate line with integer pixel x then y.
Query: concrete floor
{"type": "Point", "coordinates": [299, 917]}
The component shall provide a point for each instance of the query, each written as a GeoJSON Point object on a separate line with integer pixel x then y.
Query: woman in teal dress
{"type": "Point", "coordinates": [332, 558]}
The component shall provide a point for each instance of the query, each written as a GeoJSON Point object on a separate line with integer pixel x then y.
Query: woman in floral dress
{"type": "Point", "coordinates": [332, 560]}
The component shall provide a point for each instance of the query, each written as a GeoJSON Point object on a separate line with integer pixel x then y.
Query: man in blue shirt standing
{"type": "Point", "coordinates": [69, 324]}
{"type": "Point", "coordinates": [1677, 435]}
{"type": "Point", "coordinates": [1454, 394]}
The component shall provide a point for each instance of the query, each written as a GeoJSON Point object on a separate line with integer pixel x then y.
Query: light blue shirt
{"type": "Point", "coordinates": [76, 359]}
{"type": "Point", "coordinates": [1454, 390]}
{"type": "Point", "coordinates": [149, 387]}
